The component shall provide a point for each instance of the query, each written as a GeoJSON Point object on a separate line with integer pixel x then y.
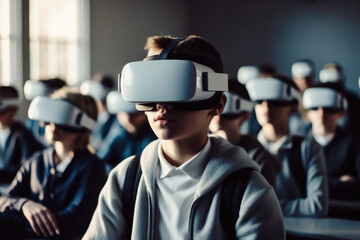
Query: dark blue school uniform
{"type": "Point", "coordinates": [71, 195]}
{"type": "Point", "coordinates": [342, 156]}
{"type": "Point", "coordinates": [122, 144]}
{"type": "Point", "coordinates": [18, 147]}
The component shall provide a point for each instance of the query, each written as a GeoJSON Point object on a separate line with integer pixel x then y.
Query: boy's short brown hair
{"type": "Point", "coordinates": [193, 48]}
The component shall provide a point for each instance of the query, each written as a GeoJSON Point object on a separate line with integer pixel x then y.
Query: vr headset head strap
{"type": "Point", "coordinates": [165, 52]}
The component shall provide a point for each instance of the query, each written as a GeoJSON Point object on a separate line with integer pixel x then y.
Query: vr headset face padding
{"type": "Point", "coordinates": [172, 81]}
{"type": "Point", "coordinates": [236, 105]}
{"type": "Point", "coordinates": [272, 89]}
{"type": "Point", "coordinates": [115, 103]}
{"type": "Point", "coordinates": [33, 89]}
{"type": "Point", "coordinates": [60, 112]}
{"type": "Point", "coordinates": [316, 97]}
{"type": "Point", "coordinates": [301, 69]}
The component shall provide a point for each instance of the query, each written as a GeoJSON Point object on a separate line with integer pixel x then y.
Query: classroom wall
{"type": "Point", "coordinates": [245, 32]}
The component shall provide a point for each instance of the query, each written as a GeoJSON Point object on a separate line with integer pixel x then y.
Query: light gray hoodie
{"type": "Point", "coordinates": [260, 215]}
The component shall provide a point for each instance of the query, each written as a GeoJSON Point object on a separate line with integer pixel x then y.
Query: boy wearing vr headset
{"type": "Point", "coordinates": [43, 87]}
{"type": "Point", "coordinates": [326, 105]}
{"type": "Point", "coordinates": [130, 134]}
{"type": "Point", "coordinates": [55, 191]}
{"type": "Point", "coordinates": [16, 142]}
{"type": "Point", "coordinates": [179, 86]}
{"type": "Point", "coordinates": [301, 186]}
{"type": "Point", "coordinates": [227, 125]}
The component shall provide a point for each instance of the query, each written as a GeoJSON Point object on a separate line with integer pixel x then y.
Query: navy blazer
{"type": "Point", "coordinates": [72, 195]}
{"type": "Point", "coordinates": [20, 144]}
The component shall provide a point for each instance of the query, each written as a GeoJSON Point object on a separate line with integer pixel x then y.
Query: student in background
{"type": "Point", "coordinates": [227, 125]}
{"type": "Point", "coordinates": [55, 191]}
{"type": "Point", "coordinates": [303, 74]}
{"type": "Point", "coordinates": [98, 88]}
{"type": "Point", "coordinates": [301, 186]}
{"type": "Point", "coordinates": [179, 192]}
{"type": "Point", "coordinates": [16, 142]}
{"type": "Point", "coordinates": [326, 104]}
{"type": "Point", "coordinates": [130, 136]}
{"type": "Point", "coordinates": [43, 87]}
{"type": "Point", "coordinates": [334, 72]}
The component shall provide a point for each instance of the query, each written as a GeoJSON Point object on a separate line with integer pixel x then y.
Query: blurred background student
{"type": "Point", "coordinates": [303, 74]}
{"type": "Point", "coordinates": [301, 186]}
{"type": "Point", "coordinates": [130, 134]}
{"type": "Point", "coordinates": [43, 87]}
{"type": "Point", "coordinates": [227, 125]}
{"type": "Point", "coordinates": [99, 87]}
{"type": "Point", "coordinates": [16, 141]}
{"type": "Point", "coordinates": [326, 104]}
{"type": "Point", "coordinates": [333, 72]}
{"type": "Point", "coordinates": [55, 192]}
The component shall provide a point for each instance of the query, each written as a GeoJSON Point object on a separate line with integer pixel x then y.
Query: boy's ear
{"type": "Point", "coordinates": [219, 108]}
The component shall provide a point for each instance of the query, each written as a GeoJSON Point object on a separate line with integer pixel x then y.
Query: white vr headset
{"type": "Point", "coordinates": [316, 97]}
{"type": "Point", "coordinates": [330, 75]}
{"type": "Point", "coordinates": [94, 89]}
{"type": "Point", "coordinates": [6, 103]}
{"type": "Point", "coordinates": [33, 89]}
{"type": "Point", "coordinates": [170, 81]}
{"type": "Point", "coordinates": [247, 72]}
{"type": "Point", "coordinates": [301, 69]}
{"type": "Point", "coordinates": [60, 112]}
{"type": "Point", "coordinates": [115, 103]}
{"type": "Point", "coordinates": [236, 105]}
{"type": "Point", "coordinates": [271, 89]}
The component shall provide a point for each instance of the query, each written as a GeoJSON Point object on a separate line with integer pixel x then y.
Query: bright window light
{"type": "Point", "coordinates": [59, 40]}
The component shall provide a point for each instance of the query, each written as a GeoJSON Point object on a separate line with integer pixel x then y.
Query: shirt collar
{"type": "Point", "coordinates": [194, 167]}
{"type": "Point", "coordinates": [324, 140]}
{"type": "Point", "coordinates": [272, 147]}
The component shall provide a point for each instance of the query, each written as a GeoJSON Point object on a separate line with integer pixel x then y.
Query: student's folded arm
{"type": "Point", "coordinates": [18, 192]}
{"type": "Point", "coordinates": [316, 202]}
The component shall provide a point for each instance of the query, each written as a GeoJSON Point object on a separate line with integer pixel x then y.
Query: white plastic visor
{"type": "Point", "coordinates": [316, 97]}
{"type": "Point", "coordinates": [115, 103]}
{"type": "Point", "coordinates": [94, 89]}
{"type": "Point", "coordinates": [330, 75]}
{"type": "Point", "coordinates": [235, 104]}
{"type": "Point", "coordinates": [301, 69]}
{"type": "Point", "coordinates": [246, 73]}
{"type": "Point", "coordinates": [59, 112]}
{"type": "Point", "coordinates": [169, 81]}
{"type": "Point", "coordinates": [262, 89]}
{"type": "Point", "coordinates": [8, 102]}
{"type": "Point", "coordinates": [33, 89]}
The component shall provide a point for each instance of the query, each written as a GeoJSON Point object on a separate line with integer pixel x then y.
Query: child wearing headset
{"type": "Point", "coordinates": [301, 186]}
{"type": "Point", "coordinates": [130, 134]}
{"type": "Point", "coordinates": [16, 142]}
{"type": "Point", "coordinates": [326, 104]}
{"type": "Point", "coordinates": [55, 192]}
{"type": "Point", "coordinates": [179, 192]}
{"type": "Point", "coordinates": [227, 125]}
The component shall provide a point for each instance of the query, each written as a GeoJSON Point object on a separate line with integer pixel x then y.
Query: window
{"type": "Point", "coordinates": [10, 43]}
{"type": "Point", "coordinates": [59, 40]}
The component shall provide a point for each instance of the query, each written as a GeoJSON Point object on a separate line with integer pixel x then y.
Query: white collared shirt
{"type": "Point", "coordinates": [272, 147]}
{"type": "Point", "coordinates": [175, 193]}
{"type": "Point", "coordinates": [324, 140]}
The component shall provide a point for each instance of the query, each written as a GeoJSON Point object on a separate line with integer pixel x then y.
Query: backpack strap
{"type": "Point", "coordinates": [232, 193]}
{"type": "Point", "coordinates": [132, 178]}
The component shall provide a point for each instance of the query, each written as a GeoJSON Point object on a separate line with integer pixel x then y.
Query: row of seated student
{"type": "Point", "coordinates": [303, 170]}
